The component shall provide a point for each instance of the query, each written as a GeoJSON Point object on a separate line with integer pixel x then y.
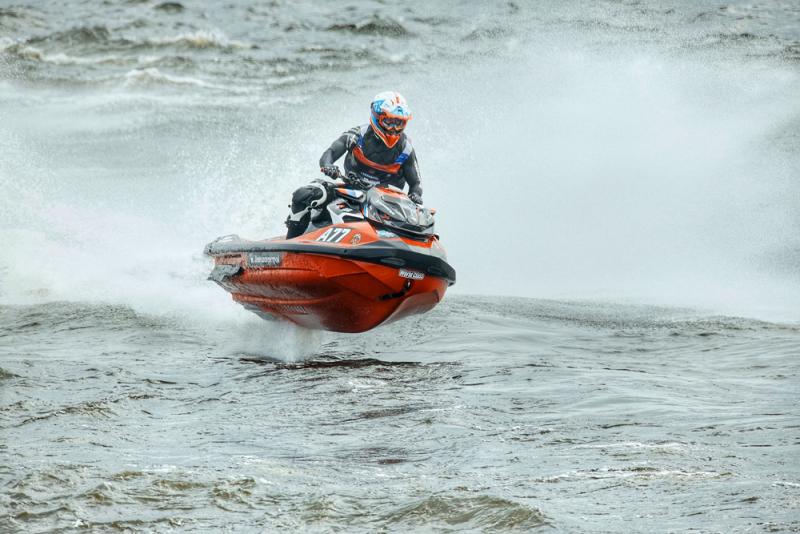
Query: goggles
{"type": "Point", "coordinates": [392, 123]}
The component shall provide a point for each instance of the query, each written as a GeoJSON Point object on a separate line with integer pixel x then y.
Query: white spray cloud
{"type": "Point", "coordinates": [633, 176]}
{"type": "Point", "coordinates": [558, 173]}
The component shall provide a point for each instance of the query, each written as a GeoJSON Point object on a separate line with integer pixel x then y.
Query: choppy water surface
{"type": "Point", "coordinates": [487, 414]}
{"type": "Point", "coordinates": [621, 176]}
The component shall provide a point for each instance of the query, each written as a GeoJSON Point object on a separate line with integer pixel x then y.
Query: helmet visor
{"type": "Point", "coordinates": [393, 124]}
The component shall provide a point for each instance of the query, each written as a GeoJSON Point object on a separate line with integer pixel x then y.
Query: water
{"type": "Point", "coordinates": [627, 171]}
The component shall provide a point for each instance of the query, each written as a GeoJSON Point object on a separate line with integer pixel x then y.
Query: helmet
{"type": "Point", "coordinates": [389, 114]}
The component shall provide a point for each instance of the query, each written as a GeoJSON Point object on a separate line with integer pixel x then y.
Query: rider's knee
{"type": "Point", "coordinates": [304, 196]}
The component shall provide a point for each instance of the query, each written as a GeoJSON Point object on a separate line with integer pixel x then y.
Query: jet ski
{"type": "Point", "coordinates": [370, 257]}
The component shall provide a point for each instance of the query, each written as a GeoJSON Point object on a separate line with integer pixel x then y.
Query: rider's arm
{"type": "Point", "coordinates": [411, 174]}
{"type": "Point", "coordinates": [339, 147]}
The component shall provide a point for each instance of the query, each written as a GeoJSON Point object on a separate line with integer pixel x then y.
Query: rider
{"type": "Point", "coordinates": [378, 153]}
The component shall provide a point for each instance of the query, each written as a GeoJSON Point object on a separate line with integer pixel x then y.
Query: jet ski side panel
{"type": "Point", "coordinates": [333, 294]}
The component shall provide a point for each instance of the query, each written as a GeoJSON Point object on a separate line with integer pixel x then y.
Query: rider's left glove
{"type": "Point", "coordinates": [331, 171]}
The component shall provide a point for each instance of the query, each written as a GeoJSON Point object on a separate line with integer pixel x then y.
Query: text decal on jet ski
{"type": "Point", "coordinates": [334, 235]}
{"type": "Point", "coordinates": [265, 259]}
{"type": "Point", "coordinates": [411, 275]}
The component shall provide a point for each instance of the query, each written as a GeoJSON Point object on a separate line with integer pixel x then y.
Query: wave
{"type": "Point", "coordinates": [63, 317]}
{"type": "Point", "coordinates": [10, 13]}
{"type": "Point", "coordinates": [20, 50]}
{"type": "Point", "coordinates": [200, 40]}
{"type": "Point", "coordinates": [25, 52]}
{"type": "Point", "coordinates": [492, 33]}
{"type": "Point", "coordinates": [483, 512]}
{"type": "Point", "coordinates": [170, 7]}
{"type": "Point", "coordinates": [83, 34]}
{"type": "Point", "coordinates": [791, 52]}
{"type": "Point", "coordinates": [151, 75]}
{"type": "Point", "coordinates": [31, 53]}
{"type": "Point", "coordinates": [637, 472]}
{"type": "Point", "coordinates": [101, 35]}
{"type": "Point", "coordinates": [373, 26]}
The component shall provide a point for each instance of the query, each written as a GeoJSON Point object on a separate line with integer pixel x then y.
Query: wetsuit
{"type": "Point", "coordinates": [367, 156]}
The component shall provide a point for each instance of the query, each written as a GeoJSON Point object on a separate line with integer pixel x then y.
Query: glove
{"type": "Point", "coordinates": [331, 171]}
{"type": "Point", "coordinates": [415, 197]}
{"type": "Point", "coordinates": [358, 182]}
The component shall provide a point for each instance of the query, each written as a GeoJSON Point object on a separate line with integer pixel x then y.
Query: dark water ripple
{"type": "Point", "coordinates": [583, 416]}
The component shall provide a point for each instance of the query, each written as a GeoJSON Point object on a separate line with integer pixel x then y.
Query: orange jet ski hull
{"type": "Point", "coordinates": [342, 278]}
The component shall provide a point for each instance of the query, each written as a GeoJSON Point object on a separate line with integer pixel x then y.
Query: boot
{"type": "Point", "coordinates": [296, 228]}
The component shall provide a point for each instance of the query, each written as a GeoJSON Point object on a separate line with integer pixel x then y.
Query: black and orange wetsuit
{"type": "Point", "coordinates": [368, 156]}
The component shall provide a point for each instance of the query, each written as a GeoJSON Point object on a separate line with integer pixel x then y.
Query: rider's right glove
{"type": "Point", "coordinates": [332, 171]}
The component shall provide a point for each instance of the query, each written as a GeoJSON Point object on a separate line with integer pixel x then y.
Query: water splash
{"type": "Point", "coordinates": [560, 170]}
{"type": "Point", "coordinates": [628, 176]}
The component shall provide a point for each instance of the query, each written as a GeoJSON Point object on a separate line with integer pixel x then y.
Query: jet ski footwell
{"type": "Point", "coordinates": [330, 287]}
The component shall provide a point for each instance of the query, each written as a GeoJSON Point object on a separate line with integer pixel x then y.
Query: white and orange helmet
{"type": "Point", "coordinates": [389, 114]}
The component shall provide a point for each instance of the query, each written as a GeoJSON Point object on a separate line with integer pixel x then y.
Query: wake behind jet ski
{"type": "Point", "coordinates": [368, 258]}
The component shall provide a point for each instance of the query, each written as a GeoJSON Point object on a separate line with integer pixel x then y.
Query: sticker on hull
{"type": "Point", "coordinates": [334, 235]}
{"type": "Point", "coordinates": [265, 259]}
{"type": "Point", "coordinates": [411, 275]}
